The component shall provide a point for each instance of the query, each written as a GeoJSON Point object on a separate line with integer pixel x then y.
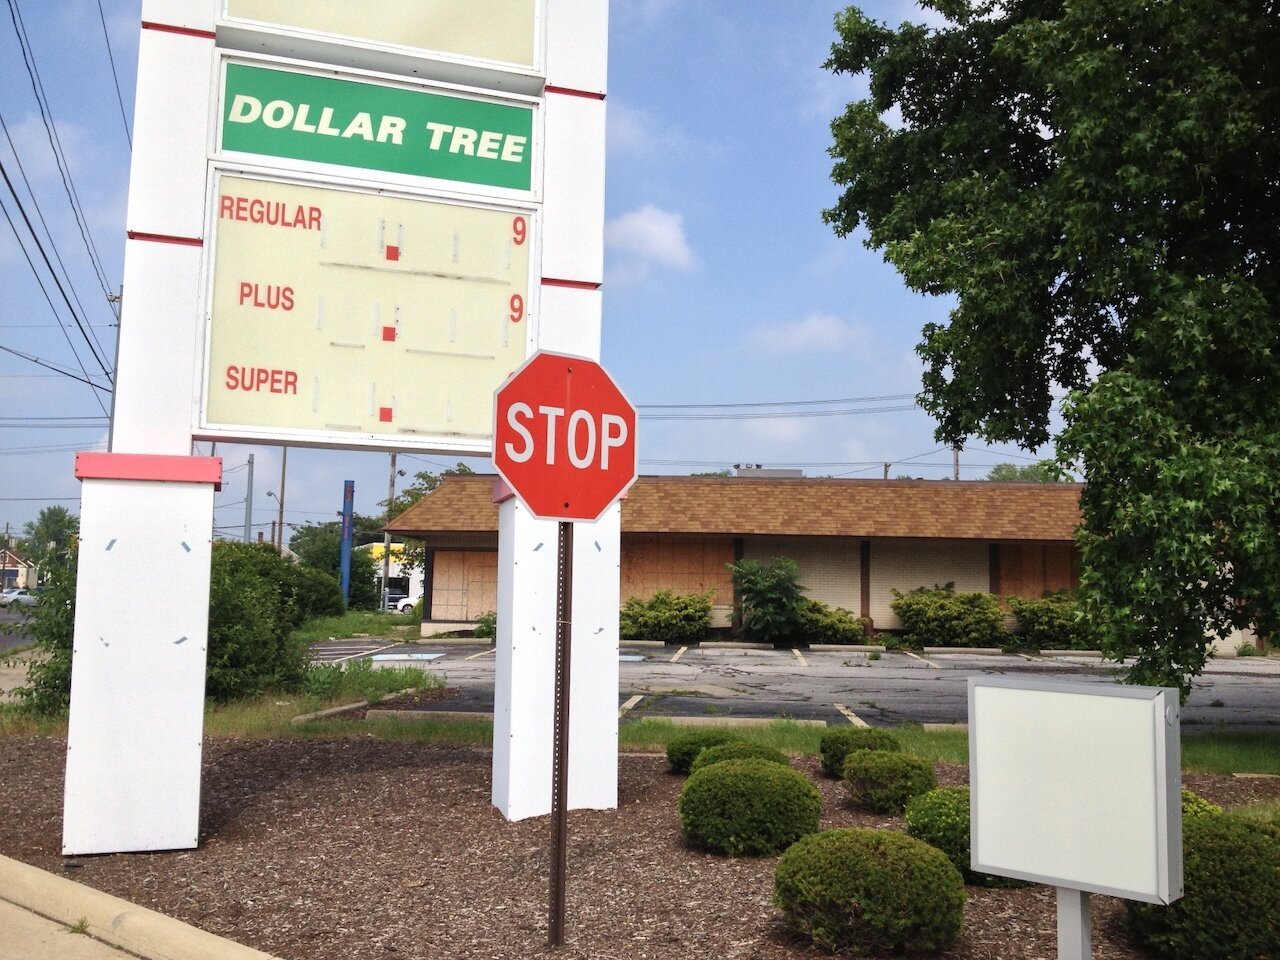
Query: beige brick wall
{"type": "Point", "coordinates": [906, 564]}
{"type": "Point", "coordinates": [830, 566]}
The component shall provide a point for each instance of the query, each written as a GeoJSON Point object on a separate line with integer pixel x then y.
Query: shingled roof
{"type": "Point", "coordinates": [954, 510]}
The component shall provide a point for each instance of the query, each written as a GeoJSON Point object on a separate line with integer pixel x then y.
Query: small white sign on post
{"type": "Point", "coordinates": [1077, 785]}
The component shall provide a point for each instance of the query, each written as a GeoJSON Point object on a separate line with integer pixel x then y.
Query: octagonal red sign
{"type": "Point", "coordinates": [564, 437]}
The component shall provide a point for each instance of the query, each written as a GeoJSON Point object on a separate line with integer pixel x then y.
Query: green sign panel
{"type": "Point", "coordinates": [278, 113]}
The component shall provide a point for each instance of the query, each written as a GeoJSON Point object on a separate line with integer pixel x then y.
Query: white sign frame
{"type": "Point", "coordinates": [1077, 785]}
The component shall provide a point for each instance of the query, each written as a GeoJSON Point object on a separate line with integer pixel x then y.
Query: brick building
{"type": "Point", "coordinates": [854, 540]}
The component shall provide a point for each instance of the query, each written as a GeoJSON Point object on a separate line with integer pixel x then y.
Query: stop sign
{"type": "Point", "coordinates": [564, 437]}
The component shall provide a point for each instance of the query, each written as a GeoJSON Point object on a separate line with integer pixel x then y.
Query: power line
{"type": "Point", "coordinates": [55, 143]}
{"type": "Point", "coordinates": [56, 368]}
{"type": "Point", "coordinates": [777, 403]}
{"type": "Point", "coordinates": [779, 414]}
{"type": "Point", "coordinates": [114, 76]}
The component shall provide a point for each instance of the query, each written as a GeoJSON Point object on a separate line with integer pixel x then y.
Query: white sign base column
{"type": "Point", "coordinates": [524, 693]}
{"type": "Point", "coordinates": [135, 730]}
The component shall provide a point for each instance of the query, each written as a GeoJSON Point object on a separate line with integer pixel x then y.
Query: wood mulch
{"type": "Point", "coordinates": [360, 849]}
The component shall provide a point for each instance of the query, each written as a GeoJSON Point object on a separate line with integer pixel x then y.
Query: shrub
{"type": "Point", "coordinates": [883, 782]}
{"type": "Point", "coordinates": [1247, 649]}
{"type": "Point", "coordinates": [869, 892]}
{"type": "Point", "coordinates": [486, 624]}
{"type": "Point", "coordinates": [1051, 623]}
{"type": "Point", "coordinates": [750, 807]}
{"type": "Point", "coordinates": [738, 750]}
{"type": "Point", "coordinates": [684, 749]}
{"type": "Point", "coordinates": [252, 612]}
{"type": "Point", "coordinates": [1231, 906]}
{"type": "Point", "coordinates": [771, 600]}
{"type": "Point", "coordinates": [820, 623]}
{"type": "Point", "coordinates": [1194, 805]}
{"type": "Point", "coordinates": [941, 819]}
{"type": "Point", "coordinates": [839, 742]}
{"type": "Point", "coordinates": [674, 619]}
{"type": "Point", "coordinates": [940, 617]}
{"type": "Point", "coordinates": [315, 594]}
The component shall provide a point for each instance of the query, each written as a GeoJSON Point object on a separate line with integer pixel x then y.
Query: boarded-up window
{"type": "Point", "coordinates": [1031, 569]}
{"type": "Point", "coordinates": [465, 585]}
{"type": "Point", "coordinates": [679, 564]}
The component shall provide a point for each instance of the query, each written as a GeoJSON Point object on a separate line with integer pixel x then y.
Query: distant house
{"type": "Point", "coordinates": [855, 541]}
{"type": "Point", "coordinates": [16, 570]}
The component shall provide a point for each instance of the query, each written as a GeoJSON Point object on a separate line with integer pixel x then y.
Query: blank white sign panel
{"type": "Point", "coordinates": [1070, 786]}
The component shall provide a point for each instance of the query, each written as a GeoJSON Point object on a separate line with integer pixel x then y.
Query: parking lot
{"type": "Point", "coordinates": [843, 685]}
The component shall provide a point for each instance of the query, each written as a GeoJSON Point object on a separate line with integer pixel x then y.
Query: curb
{"type": "Point", "coordinates": [116, 922]}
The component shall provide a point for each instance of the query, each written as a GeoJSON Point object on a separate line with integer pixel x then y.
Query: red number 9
{"type": "Point", "coordinates": [516, 303]}
{"type": "Point", "coordinates": [519, 231]}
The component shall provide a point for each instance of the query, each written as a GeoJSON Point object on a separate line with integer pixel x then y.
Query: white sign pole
{"type": "Point", "coordinates": [1074, 919]}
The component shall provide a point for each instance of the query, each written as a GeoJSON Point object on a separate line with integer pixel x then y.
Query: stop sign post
{"type": "Point", "coordinates": [564, 441]}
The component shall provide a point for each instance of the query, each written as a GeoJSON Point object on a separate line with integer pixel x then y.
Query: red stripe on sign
{"type": "Point", "coordinates": [570, 92]}
{"type": "Point", "coordinates": [393, 252]}
{"type": "Point", "coordinates": [385, 414]}
{"type": "Point", "coordinates": [165, 238]}
{"type": "Point", "coordinates": [571, 284]}
{"type": "Point", "coordinates": [182, 31]}
{"type": "Point", "coordinates": [149, 466]}
{"type": "Point", "coordinates": [389, 334]}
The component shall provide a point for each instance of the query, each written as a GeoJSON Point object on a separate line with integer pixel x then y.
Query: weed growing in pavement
{"type": "Point", "coordinates": [80, 926]}
{"type": "Point", "coordinates": [393, 627]}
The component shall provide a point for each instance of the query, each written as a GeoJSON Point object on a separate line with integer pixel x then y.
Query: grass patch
{"type": "Point", "coordinates": [1265, 811]}
{"type": "Point", "coordinates": [394, 627]}
{"type": "Point", "coordinates": [18, 721]}
{"type": "Point", "coordinates": [1223, 752]}
{"type": "Point", "coordinates": [947, 746]}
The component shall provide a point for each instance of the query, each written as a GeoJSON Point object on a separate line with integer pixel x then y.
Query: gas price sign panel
{"type": "Point", "coordinates": [341, 316]}
{"type": "Point", "coordinates": [498, 30]}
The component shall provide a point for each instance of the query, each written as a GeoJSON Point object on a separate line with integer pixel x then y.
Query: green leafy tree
{"type": "Point", "coordinates": [1095, 183]}
{"type": "Point", "coordinates": [423, 483]}
{"type": "Point", "coordinates": [49, 537]}
{"type": "Point", "coordinates": [319, 546]}
{"type": "Point", "coordinates": [1042, 471]}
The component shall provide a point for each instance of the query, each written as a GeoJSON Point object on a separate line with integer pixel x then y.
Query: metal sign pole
{"type": "Point", "coordinates": [1074, 935]}
{"type": "Point", "coordinates": [560, 748]}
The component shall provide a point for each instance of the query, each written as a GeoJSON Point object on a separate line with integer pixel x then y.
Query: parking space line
{"type": "Point", "coordinates": [679, 654]}
{"type": "Point", "coordinates": [630, 703]}
{"type": "Point", "coordinates": [799, 656]}
{"type": "Point", "coordinates": [916, 656]}
{"type": "Point", "coordinates": [849, 715]}
{"type": "Point", "coordinates": [363, 653]}
{"type": "Point", "coordinates": [483, 653]}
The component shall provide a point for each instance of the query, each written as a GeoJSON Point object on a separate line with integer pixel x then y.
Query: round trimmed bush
{"type": "Point", "coordinates": [941, 819]}
{"type": "Point", "coordinates": [883, 782]}
{"type": "Point", "coordinates": [750, 807]}
{"type": "Point", "coordinates": [1231, 906]}
{"type": "Point", "coordinates": [738, 750]}
{"type": "Point", "coordinates": [839, 742]}
{"type": "Point", "coordinates": [684, 749]}
{"type": "Point", "coordinates": [869, 892]}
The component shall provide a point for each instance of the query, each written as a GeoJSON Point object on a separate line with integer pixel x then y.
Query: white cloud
{"type": "Point", "coordinates": [816, 333]}
{"type": "Point", "coordinates": [639, 134]}
{"type": "Point", "coordinates": [650, 237]}
{"type": "Point", "coordinates": [646, 12]}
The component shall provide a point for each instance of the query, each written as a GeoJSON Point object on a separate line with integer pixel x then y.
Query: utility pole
{"type": "Point", "coordinates": [955, 462]}
{"type": "Point", "coordinates": [284, 462]}
{"type": "Point", "coordinates": [248, 503]}
{"type": "Point", "coordinates": [386, 537]}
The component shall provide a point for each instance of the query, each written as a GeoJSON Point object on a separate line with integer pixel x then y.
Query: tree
{"type": "Point", "coordinates": [48, 538]}
{"type": "Point", "coordinates": [423, 483]}
{"type": "Point", "coordinates": [1096, 185]}
{"type": "Point", "coordinates": [319, 546]}
{"type": "Point", "coordinates": [1042, 471]}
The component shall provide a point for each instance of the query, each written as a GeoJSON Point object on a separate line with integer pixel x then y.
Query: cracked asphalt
{"type": "Point", "coordinates": [851, 685]}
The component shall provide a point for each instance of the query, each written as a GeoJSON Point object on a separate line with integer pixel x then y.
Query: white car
{"type": "Point", "coordinates": [16, 596]}
{"type": "Point", "coordinates": [408, 603]}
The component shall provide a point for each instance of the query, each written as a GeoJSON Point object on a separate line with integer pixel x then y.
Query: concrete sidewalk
{"type": "Point", "coordinates": [46, 917]}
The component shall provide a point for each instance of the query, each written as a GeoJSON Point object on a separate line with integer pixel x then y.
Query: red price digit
{"type": "Point", "coordinates": [516, 303]}
{"type": "Point", "coordinates": [519, 230]}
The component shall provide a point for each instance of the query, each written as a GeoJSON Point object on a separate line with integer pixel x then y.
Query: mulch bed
{"type": "Point", "coordinates": [360, 849]}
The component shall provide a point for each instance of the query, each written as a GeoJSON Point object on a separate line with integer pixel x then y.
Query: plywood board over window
{"type": "Point", "coordinates": [681, 565]}
{"type": "Point", "coordinates": [1033, 569]}
{"type": "Point", "coordinates": [465, 585]}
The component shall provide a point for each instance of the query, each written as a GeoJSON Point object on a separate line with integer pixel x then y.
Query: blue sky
{"type": "Point", "coordinates": [722, 283]}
